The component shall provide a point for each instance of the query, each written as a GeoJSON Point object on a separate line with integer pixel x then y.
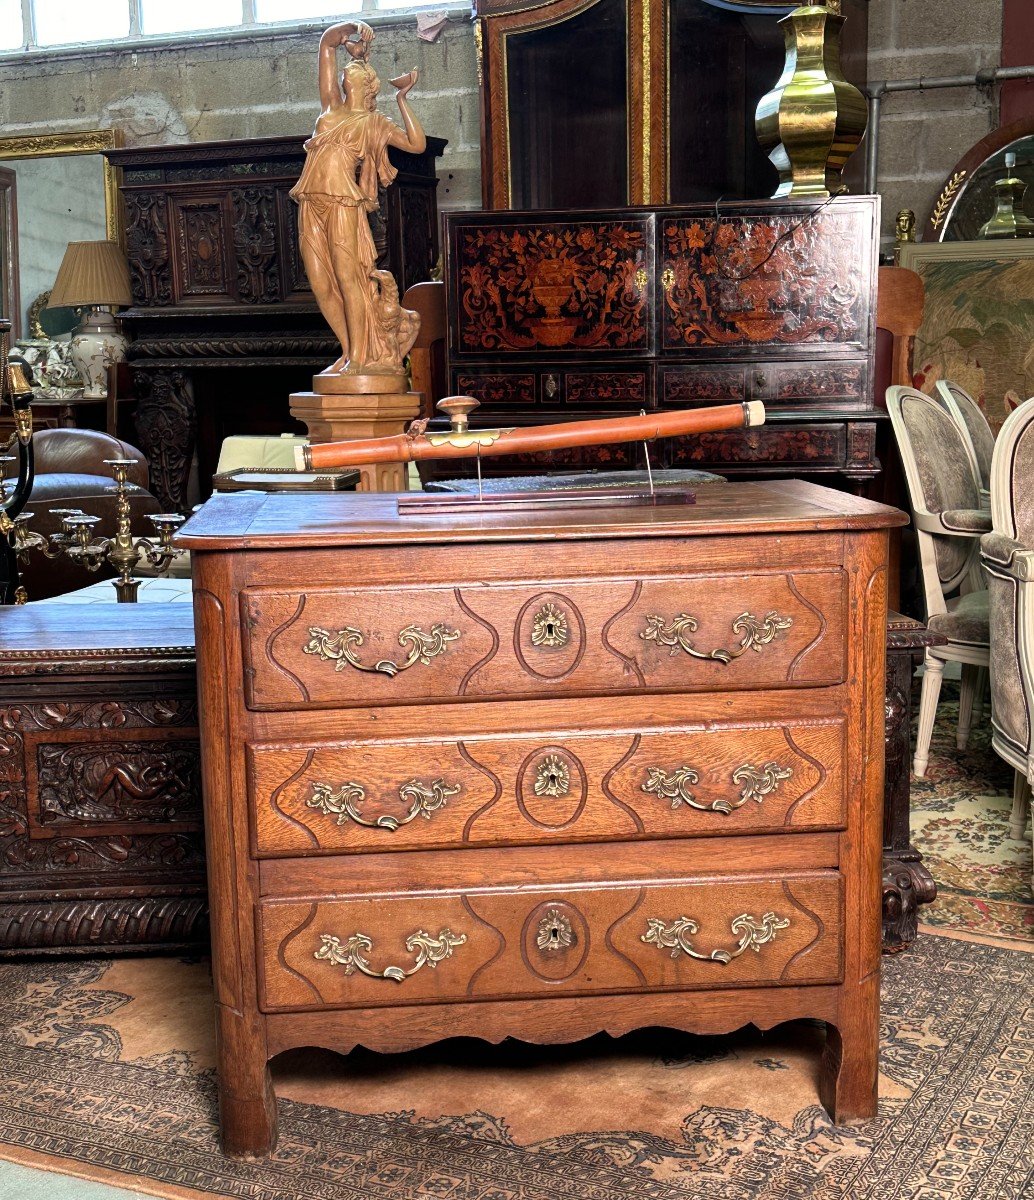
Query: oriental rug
{"type": "Point", "coordinates": [106, 1072]}
{"type": "Point", "coordinates": [960, 825]}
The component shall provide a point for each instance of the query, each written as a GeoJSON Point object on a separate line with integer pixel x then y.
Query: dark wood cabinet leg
{"type": "Point", "coordinates": [848, 1074]}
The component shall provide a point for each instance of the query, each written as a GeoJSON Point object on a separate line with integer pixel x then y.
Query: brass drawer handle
{"type": "Point", "coordinates": [423, 799]}
{"type": "Point", "coordinates": [756, 633]}
{"type": "Point", "coordinates": [430, 951]}
{"type": "Point", "coordinates": [753, 934]}
{"type": "Point", "coordinates": [339, 647]}
{"type": "Point", "coordinates": [758, 782]}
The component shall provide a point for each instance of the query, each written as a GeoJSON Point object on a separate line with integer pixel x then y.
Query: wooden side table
{"type": "Point", "coordinates": [907, 884]}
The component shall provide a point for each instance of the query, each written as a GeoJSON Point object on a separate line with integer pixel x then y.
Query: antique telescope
{"type": "Point", "coordinates": [460, 441]}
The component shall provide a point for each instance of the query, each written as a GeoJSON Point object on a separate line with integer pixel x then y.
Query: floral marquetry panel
{"type": "Point", "coordinates": [764, 280]}
{"type": "Point", "coordinates": [558, 286]}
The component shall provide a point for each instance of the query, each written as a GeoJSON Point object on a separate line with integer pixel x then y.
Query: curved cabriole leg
{"type": "Point", "coordinates": [848, 1074]}
{"type": "Point", "coordinates": [247, 1103]}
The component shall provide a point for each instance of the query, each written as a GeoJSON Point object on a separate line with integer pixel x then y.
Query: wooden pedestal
{"type": "Point", "coordinates": [332, 418]}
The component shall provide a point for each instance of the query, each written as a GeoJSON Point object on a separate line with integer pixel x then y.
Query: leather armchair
{"type": "Point", "coordinates": [1007, 555]}
{"type": "Point", "coordinates": [70, 473]}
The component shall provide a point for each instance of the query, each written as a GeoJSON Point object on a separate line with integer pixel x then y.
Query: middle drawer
{"type": "Point", "coordinates": [562, 786]}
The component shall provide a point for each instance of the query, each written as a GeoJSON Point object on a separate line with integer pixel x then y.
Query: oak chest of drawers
{"type": "Point", "coordinates": [538, 775]}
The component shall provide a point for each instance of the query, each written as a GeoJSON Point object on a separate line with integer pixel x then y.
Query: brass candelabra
{"type": "Point", "coordinates": [77, 538]}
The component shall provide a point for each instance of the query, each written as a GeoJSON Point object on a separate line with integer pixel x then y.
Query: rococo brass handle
{"type": "Point", "coordinates": [430, 951]}
{"type": "Point", "coordinates": [757, 783]}
{"type": "Point", "coordinates": [753, 934]}
{"type": "Point", "coordinates": [340, 647]}
{"type": "Point", "coordinates": [423, 800]}
{"type": "Point", "coordinates": [755, 632]}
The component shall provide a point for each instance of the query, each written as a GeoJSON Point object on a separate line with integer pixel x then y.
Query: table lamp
{"type": "Point", "coordinates": [94, 275]}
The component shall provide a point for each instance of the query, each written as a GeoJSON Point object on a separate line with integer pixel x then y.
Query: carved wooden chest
{"type": "Point", "coordinates": [585, 314]}
{"type": "Point", "coordinates": [100, 790]}
{"type": "Point", "coordinates": [540, 775]}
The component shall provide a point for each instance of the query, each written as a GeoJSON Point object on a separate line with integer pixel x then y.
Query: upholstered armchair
{"type": "Point", "coordinates": [969, 417]}
{"type": "Point", "coordinates": [1008, 557]}
{"type": "Point", "coordinates": [945, 496]}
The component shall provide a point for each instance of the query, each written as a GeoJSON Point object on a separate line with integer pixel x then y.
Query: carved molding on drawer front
{"type": "Point", "coordinates": [676, 786]}
{"type": "Point", "coordinates": [674, 936]}
{"type": "Point", "coordinates": [756, 633]}
{"type": "Point", "coordinates": [340, 647]}
{"type": "Point", "coordinates": [430, 951]}
{"type": "Point", "coordinates": [423, 800]}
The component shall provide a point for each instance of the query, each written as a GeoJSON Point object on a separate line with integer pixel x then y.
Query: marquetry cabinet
{"type": "Point", "coordinates": [586, 314]}
{"type": "Point", "coordinates": [540, 774]}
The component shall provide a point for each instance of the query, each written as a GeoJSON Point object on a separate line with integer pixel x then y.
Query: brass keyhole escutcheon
{"type": "Point", "coordinates": [553, 777]}
{"type": "Point", "coordinates": [555, 932]}
{"type": "Point", "coordinates": [667, 279]}
{"type": "Point", "coordinates": [549, 628]}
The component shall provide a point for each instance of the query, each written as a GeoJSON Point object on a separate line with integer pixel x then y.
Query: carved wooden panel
{"type": "Point", "coordinates": [39, 840]}
{"type": "Point", "coordinates": [147, 244]}
{"type": "Point", "coordinates": [353, 646]}
{"type": "Point", "coordinates": [556, 286]}
{"type": "Point", "coordinates": [725, 779]}
{"type": "Point", "coordinates": [522, 941]}
{"type": "Point", "coordinates": [749, 281]}
{"type": "Point", "coordinates": [255, 244]}
{"type": "Point", "coordinates": [76, 780]}
{"type": "Point", "coordinates": [202, 267]}
{"type": "Point", "coordinates": [294, 280]}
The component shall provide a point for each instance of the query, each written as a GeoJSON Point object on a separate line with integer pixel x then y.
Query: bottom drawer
{"type": "Point", "coordinates": [359, 951]}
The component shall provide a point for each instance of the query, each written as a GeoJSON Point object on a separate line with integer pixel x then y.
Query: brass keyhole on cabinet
{"type": "Point", "coordinates": [553, 777]}
{"type": "Point", "coordinates": [551, 386]}
{"type": "Point", "coordinates": [555, 932]}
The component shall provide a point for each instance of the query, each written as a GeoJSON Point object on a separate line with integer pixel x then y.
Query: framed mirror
{"type": "Point", "coordinates": [54, 189]}
{"type": "Point", "coordinates": [967, 199]}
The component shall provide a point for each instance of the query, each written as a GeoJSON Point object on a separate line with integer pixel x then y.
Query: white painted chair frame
{"type": "Point", "coordinates": [972, 658]}
{"type": "Point", "coordinates": [1014, 563]}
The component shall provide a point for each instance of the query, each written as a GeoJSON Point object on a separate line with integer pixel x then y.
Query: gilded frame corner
{"type": "Point", "coordinates": [86, 141]}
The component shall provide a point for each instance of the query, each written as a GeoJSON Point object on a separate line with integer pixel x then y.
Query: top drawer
{"type": "Point", "coordinates": [359, 646]}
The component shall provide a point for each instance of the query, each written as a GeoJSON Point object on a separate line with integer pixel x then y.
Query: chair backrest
{"type": "Point", "coordinates": [1012, 476]}
{"type": "Point", "coordinates": [900, 299]}
{"type": "Point", "coordinates": [941, 475]}
{"type": "Point", "coordinates": [427, 357]}
{"type": "Point", "coordinates": [971, 420]}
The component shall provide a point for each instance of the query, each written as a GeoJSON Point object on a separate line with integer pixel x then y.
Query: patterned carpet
{"type": "Point", "coordinates": [960, 825]}
{"type": "Point", "coordinates": [107, 1073]}
{"type": "Point", "coordinates": [106, 1070]}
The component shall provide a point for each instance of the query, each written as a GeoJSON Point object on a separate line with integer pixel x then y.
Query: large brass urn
{"type": "Point", "coordinates": [813, 120]}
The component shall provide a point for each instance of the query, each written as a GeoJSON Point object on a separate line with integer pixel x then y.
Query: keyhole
{"type": "Point", "coordinates": [554, 934]}
{"type": "Point", "coordinates": [554, 778]}
{"type": "Point", "coordinates": [550, 629]}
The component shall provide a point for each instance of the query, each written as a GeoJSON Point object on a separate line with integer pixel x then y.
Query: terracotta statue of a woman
{"type": "Point", "coordinates": [346, 158]}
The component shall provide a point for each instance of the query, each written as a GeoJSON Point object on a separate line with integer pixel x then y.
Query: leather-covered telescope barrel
{"type": "Point", "coordinates": [463, 442]}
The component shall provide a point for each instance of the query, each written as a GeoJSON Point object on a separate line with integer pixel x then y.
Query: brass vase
{"type": "Point", "coordinates": [813, 120]}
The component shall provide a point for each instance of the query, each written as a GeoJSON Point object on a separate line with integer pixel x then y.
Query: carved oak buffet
{"type": "Point", "coordinates": [539, 775]}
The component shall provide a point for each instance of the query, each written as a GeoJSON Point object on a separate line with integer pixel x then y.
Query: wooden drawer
{"type": "Point", "coordinates": [358, 646]}
{"type": "Point", "coordinates": [811, 446]}
{"type": "Point", "coordinates": [737, 931]}
{"type": "Point", "coordinates": [419, 793]}
{"type": "Point", "coordinates": [553, 389]}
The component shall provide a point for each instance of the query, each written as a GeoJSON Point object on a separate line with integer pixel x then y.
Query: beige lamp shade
{"type": "Point", "coordinates": [92, 273]}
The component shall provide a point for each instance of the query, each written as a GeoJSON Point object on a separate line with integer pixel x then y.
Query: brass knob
{"type": "Point", "coordinates": [457, 409]}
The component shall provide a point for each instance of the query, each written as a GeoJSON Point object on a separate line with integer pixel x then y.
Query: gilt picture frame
{"type": "Point", "coordinates": [977, 320]}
